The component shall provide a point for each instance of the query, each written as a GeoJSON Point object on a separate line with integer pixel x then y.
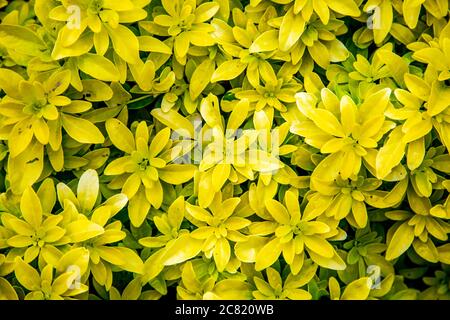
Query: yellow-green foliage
{"type": "Point", "coordinates": [224, 149]}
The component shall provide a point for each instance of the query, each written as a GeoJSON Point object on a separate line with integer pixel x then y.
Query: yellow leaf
{"type": "Point", "coordinates": [87, 190]}
{"type": "Point", "coordinates": [120, 135]}
{"type": "Point", "coordinates": [444, 253]}
{"type": "Point", "coordinates": [382, 22]}
{"type": "Point", "coordinates": [400, 242]}
{"type": "Point", "coordinates": [205, 11]}
{"type": "Point", "coordinates": [82, 230]}
{"type": "Point", "coordinates": [391, 153]}
{"type": "Point", "coordinates": [63, 283]}
{"type": "Point", "coordinates": [198, 212]}
{"type": "Point", "coordinates": [321, 8]}
{"type": "Point", "coordinates": [222, 253]}
{"type": "Point", "coordinates": [159, 142]}
{"type": "Point", "coordinates": [320, 54]}
{"type": "Point", "coordinates": [246, 251]}
{"type": "Point", "coordinates": [238, 115]}
{"type": "Point", "coordinates": [334, 263]}
{"type": "Point", "coordinates": [147, 43]}
{"type": "Point", "coordinates": [21, 39]}
{"type": "Point", "coordinates": [41, 131]}
{"type": "Point", "coordinates": [229, 289]}
{"type": "Point", "coordinates": [20, 137]}
{"type": "Point", "coordinates": [319, 245]}
{"type": "Point", "coordinates": [181, 45]}
{"type": "Point", "coordinates": [228, 70]}
{"type": "Point", "coordinates": [125, 43]}
{"type": "Point", "coordinates": [9, 82]}
{"type": "Point", "coordinates": [20, 241]}
{"type": "Point", "coordinates": [30, 162]}
{"type": "Point", "coordinates": [292, 27]}
{"type": "Point", "coordinates": [101, 41]}
{"type": "Point", "coordinates": [439, 98]}
{"type": "Point", "coordinates": [98, 67]}
{"type": "Point", "coordinates": [131, 185]}
{"type": "Point", "coordinates": [96, 90]}
{"type": "Point", "coordinates": [81, 130]}
{"type": "Point", "coordinates": [433, 56]}
{"type": "Point", "coordinates": [305, 275]}
{"type": "Point", "coordinates": [154, 194]}
{"type": "Point", "coordinates": [359, 213]}
{"type": "Point", "coordinates": [133, 290]}
{"type": "Point", "coordinates": [144, 74]}
{"type": "Point", "coordinates": [138, 208]}
{"type": "Point", "coordinates": [175, 121]}
{"type": "Point", "coordinates": [334, 288]}
{"type": "Point", "coordinates": [7, 292]}
{"type": "Point", "coordinates": [30, 207]}
{"type": "Point", "coordinates": [82, 45]}
{"type": "Point", "coordinates": [345, 7]}
{"type": "Point", "coordinates": [357, 290]}
{"type": "Point", "coordinates": [413, 8]}
{"type": "Point", "coordinates": [27, 276]}
{"type": "Point", "coordinates": [349, 114]}
{"type": "Point", "coordinates": [267, 41]}
{"type": "Point", "coordinates": [397, 65]}
{"type": "Point", "coordinates": [427, 250]}
{"type": "Point", "coordinates": [78, 257]}
{"type": "Point", "coordinates": [201, 39]}
{"type": "Point", "coordinates": [201, 77]}
{"type": "Point", "coordinates": [220, 175]}
{"type": "Point", "coordinates": [181, 249]}
{"type": "Point", "coordinates": [299, 294]}
{"type": "Point", "coordinates": [326, 121]}
{"type": "Point", "coordinates": [268, 254]}
{"type": "Point", "coordinates": [278, 211]}
{"type": "Point", "coordinates": [153, 266]}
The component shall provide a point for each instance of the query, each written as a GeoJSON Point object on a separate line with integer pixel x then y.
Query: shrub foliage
{"type": "Point", "coordinates": [225, 149]}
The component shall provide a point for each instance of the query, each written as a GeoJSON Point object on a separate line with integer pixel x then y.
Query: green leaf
{"type": "Point", "coordinates": [140, 102]}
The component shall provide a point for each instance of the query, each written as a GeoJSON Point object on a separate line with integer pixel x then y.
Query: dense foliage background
{"type": "Point", "coordinates": [263, 149]}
